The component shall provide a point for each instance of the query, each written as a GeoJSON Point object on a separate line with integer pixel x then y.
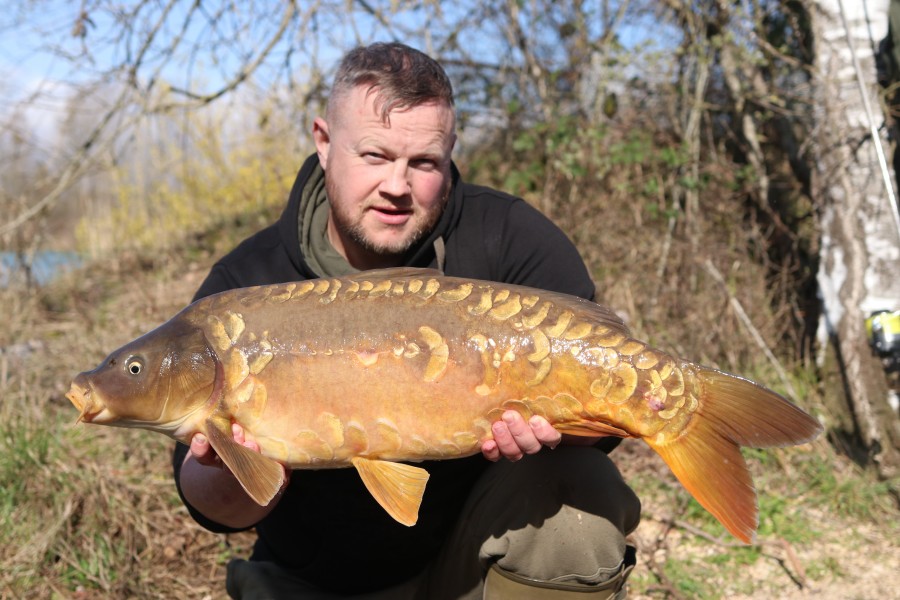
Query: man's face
{"type": "Point", "coordinates": [387, 184]}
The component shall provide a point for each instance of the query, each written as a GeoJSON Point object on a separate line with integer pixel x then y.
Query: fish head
{"type": "Point", "coordinates": [155, 382]}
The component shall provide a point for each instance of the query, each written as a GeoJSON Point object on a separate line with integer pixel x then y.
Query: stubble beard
{"type": "Point", "coordinates": [353, 229]}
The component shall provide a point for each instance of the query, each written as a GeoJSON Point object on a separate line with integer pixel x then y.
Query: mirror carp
{"type": "Point", "coordinates": [383, 368]}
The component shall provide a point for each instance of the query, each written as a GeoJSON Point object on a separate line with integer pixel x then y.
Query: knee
{"type": "Point", "coordinates": [586, 485]}
{"type": "Point", "coordinates": [572, 518]}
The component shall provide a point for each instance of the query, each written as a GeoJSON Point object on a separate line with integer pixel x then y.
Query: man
{"type": "Point", "coordinates": [381, 191]}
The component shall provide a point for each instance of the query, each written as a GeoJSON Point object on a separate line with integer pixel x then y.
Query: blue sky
{"type": "Point", "coordinates": [28, 36]}
{"type": "Point", "coordinates": [40, 53]}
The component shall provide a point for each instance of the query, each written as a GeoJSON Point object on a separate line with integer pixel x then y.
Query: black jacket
{"type": "Point", "coordinates": [327, 520]}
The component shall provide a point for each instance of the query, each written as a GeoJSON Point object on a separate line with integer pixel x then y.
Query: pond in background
{"type": "Point", "coordinates": [46, 265]}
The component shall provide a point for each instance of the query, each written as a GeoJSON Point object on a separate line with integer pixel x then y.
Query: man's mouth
{"type": "Point", "coordinates": [392, 216]}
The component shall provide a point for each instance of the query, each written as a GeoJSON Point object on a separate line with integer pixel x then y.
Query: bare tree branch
{"type": "Point", "coordinates": [247, 70]}
{"type": "Point", "coordinates": [76, 167]}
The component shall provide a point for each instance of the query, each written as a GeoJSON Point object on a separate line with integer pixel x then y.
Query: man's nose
{"type": "Point", "coordinates": [396, 180]}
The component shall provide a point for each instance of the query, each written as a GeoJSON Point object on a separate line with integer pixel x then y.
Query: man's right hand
{"type": "Point", "coordinates": [211, 488]}
{"type": "Point", "coordinates": [203, 452]}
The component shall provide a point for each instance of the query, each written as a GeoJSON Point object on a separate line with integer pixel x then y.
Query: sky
{"type": "Point", "coordinates": [34, 75]}
{"type": "Point", "coordinates": [43, 54]}
{"type": "Point", "coordinates": [34, 29]}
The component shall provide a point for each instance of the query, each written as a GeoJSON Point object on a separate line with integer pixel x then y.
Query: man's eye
{"type": "Point", "coordinates": [426, 164]}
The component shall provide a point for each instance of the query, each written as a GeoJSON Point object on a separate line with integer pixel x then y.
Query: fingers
{"type": "Point", "coordinates": [204, 454]}
{"type": "Point", "coordinates": [202, 451]}
{"type": "Point", "coordinates": [241, 438]}
{"type": "Point", "coordinates": [237, 432]}
{"type": "Point", "coordinates": [521, 439]}
{"type": "Point", "coordinates": [490, 450]}
{"type": "Point", "coordinates": [514, 437]}
{"type": "Point", "coordinates": [544, 432]}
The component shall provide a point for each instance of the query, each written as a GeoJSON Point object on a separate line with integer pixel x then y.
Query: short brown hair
{"type": "Point", "coordinates": [402, 77]}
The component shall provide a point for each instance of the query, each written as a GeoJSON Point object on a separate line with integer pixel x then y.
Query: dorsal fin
{"type": "Point", "coordinates": [394, 273]}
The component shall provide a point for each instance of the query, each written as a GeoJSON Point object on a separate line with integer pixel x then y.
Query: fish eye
{"type": "Point", "coordinates": [134, 366]}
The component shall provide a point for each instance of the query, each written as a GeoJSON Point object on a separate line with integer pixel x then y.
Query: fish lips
{"type": "Point", "coordinates": [82, 397]}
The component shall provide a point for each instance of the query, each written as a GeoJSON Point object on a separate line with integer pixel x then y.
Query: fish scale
{"type": "Point", "coordinates": [383, 368]}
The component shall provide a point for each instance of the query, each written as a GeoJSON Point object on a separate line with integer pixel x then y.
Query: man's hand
{"type": "Point", "coordinates": [206, 456]}
{"type": "Point", "coordinates": [216, 493]}
{"type": "Point", "coordinates": [514, 438]}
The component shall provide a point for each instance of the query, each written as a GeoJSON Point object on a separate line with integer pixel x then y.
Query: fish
{"type": "Point", "coordinates": [383, 369]}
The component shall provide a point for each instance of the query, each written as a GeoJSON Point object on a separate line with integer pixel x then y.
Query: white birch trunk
{"type": "Point", "coordinates": [860, 252]}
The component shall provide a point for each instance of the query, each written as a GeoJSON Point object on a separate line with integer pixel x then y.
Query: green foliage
{"type": "Point", "coordinates": [849, 492]}
{"type": "Point", "coordinates": [591, 155]}
{"type": "Point", "coordinates": [685, 574]}
{"type": "Point", "coordinates": [32, 487]}
{"type": "Point", "coordinates": [782, 516]}
{"type": "Point", "coordinates": [827, 566]}
{"type": "Point", "coordinates": [562, 147]}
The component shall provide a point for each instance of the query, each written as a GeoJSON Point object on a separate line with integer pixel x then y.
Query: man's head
{"type": "Point", "coordinates": [385, 147]}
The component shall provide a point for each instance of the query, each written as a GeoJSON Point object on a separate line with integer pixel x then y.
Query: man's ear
{"type": "Point", "coordinates": [322, 139]}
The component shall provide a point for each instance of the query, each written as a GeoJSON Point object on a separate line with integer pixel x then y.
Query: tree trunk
{"type": "Point", "coordinates": [858, 271]}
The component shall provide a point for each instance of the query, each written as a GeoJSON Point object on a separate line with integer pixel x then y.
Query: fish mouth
{"type": "Point", "coordinates": [80, 395]}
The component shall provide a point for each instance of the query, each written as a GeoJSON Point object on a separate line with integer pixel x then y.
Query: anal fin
{"type": "Point", "coordinates": [397, 487]}
{"type": "Point", "coordinates": [587, 428]}
{"type": "Point", "coordinates": [260, 476]}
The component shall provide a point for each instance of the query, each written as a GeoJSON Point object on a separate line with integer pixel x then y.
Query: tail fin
{"type": "Point", "coordinates": [706, 457]}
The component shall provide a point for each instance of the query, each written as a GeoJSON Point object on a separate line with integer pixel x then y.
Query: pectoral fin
{"type": "Point", "coordinates": [590, 429]}
{"type": "Point", "coordinates": [397, 487]}
{"type": "Point", "coordinates": [260, 476]}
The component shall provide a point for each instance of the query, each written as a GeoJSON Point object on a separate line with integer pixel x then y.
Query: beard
{"type": "Point", "coordinates": [351, 227]}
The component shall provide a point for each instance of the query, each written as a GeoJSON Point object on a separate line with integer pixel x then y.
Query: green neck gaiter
{"type": "Point", "coordinates": [312, 223]}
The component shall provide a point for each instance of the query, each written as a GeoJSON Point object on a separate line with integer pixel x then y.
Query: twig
{"type": "Point", "coordinates": [792, 558]}
{"type": "Point", "coordinates": [754, 332]}
{"type": "Point", "coordinates": [672, 522]}
{"type": "Point", "coordinates": [796, 572]}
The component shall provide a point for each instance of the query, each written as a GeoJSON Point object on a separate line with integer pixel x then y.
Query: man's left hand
{"type": "Point", "coordinates": [514, 437]}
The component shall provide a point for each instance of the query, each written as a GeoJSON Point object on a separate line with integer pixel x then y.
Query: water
{"type": "Point", "coordinates": [47, 264]}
